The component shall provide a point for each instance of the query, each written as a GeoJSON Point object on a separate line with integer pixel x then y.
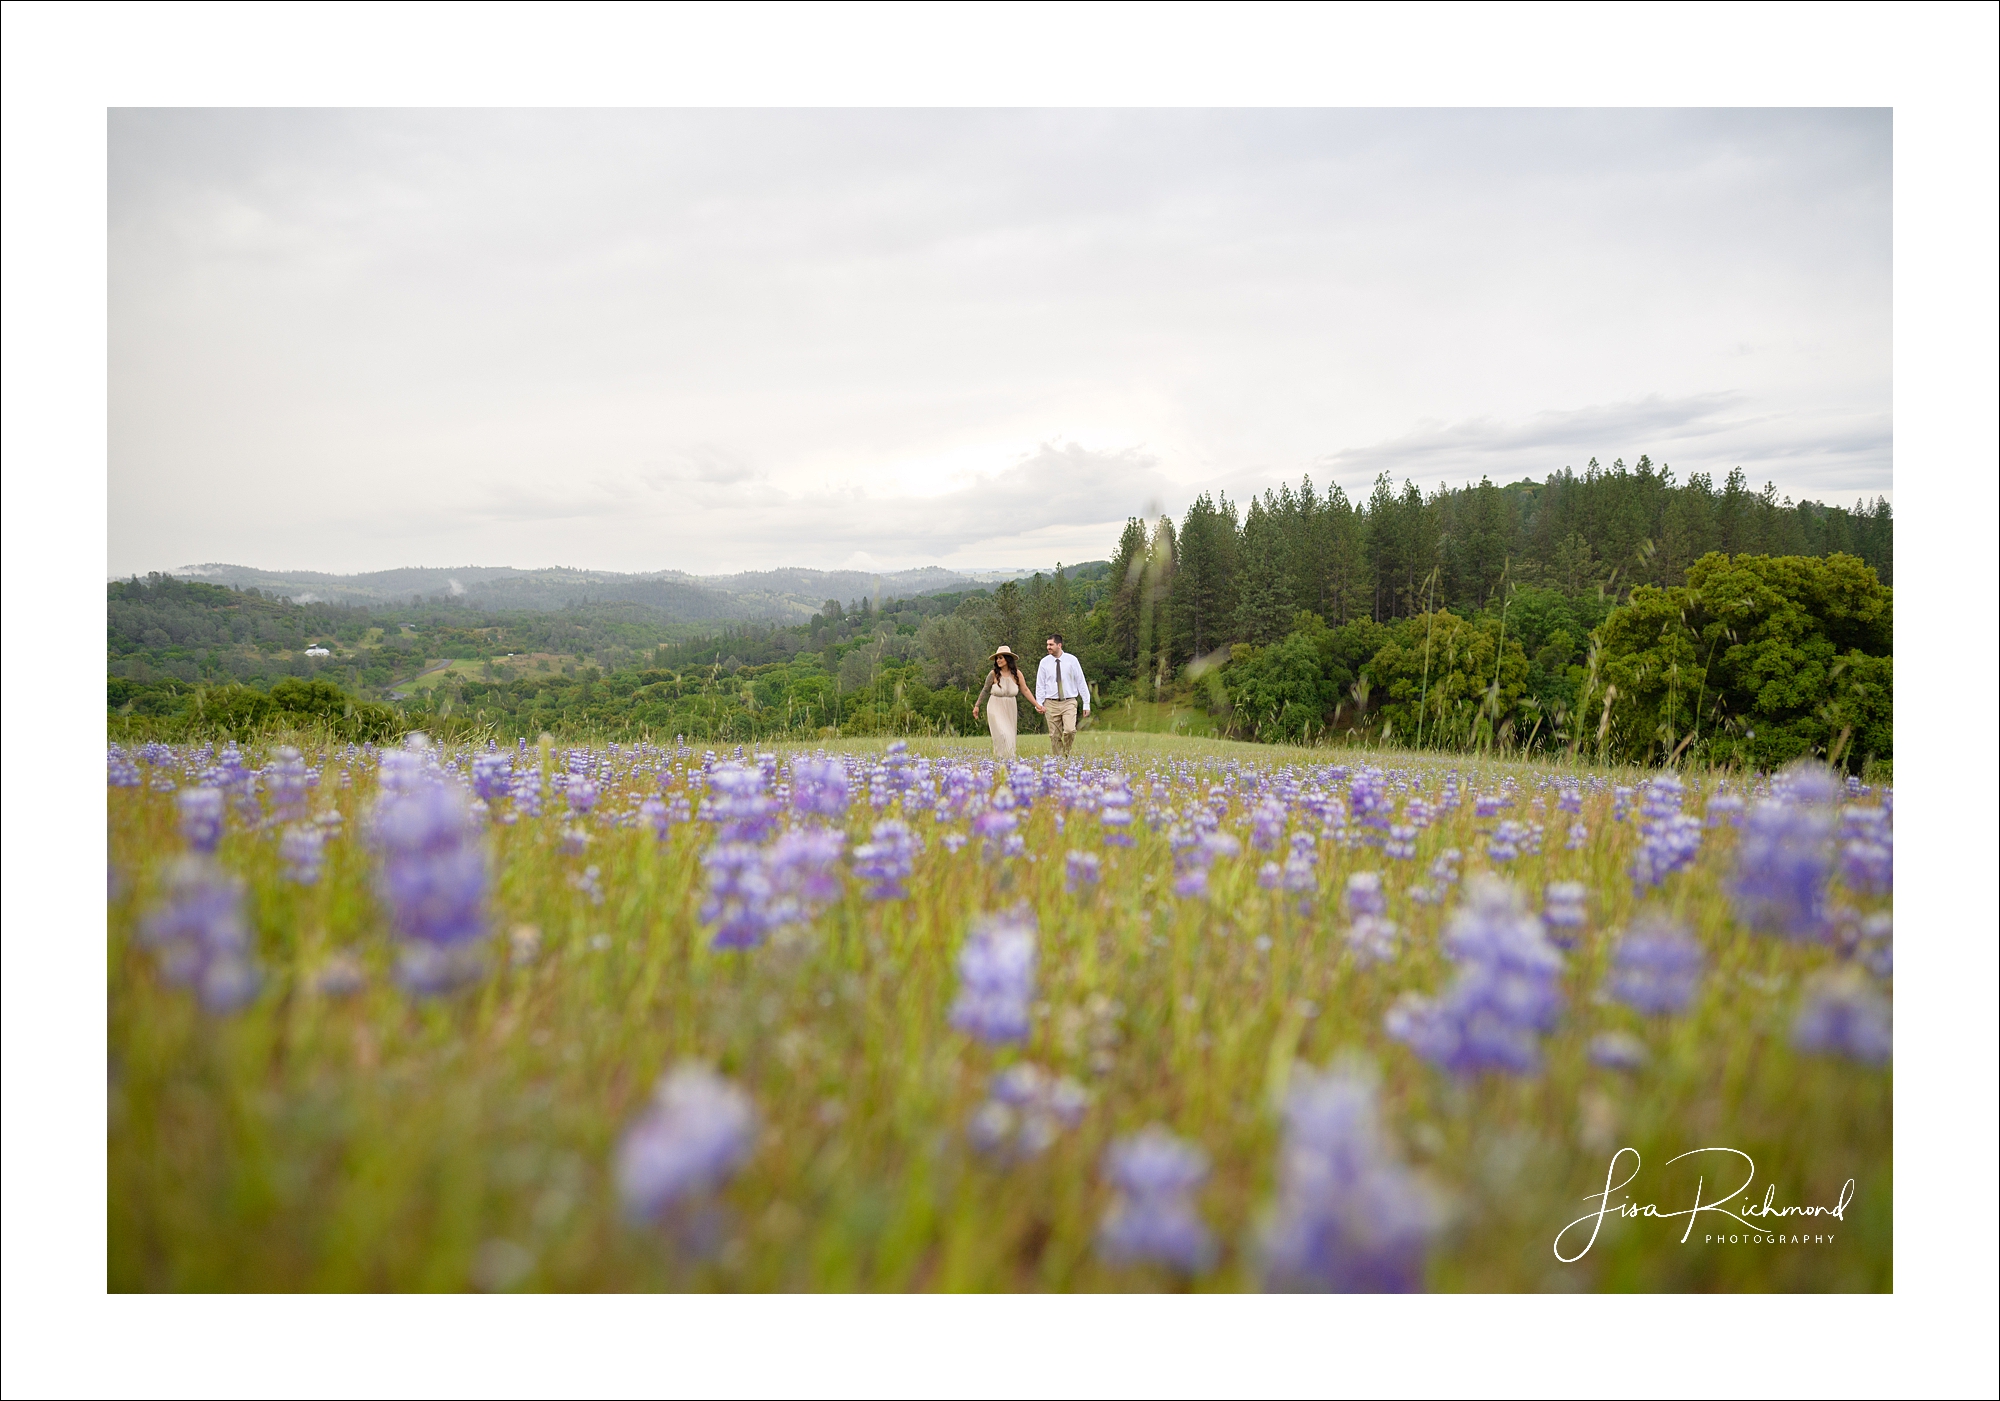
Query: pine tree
{"type": "Point", "coordinates": [1128, 582]}
{"type": "Point", "coordinates": [1264, 606]}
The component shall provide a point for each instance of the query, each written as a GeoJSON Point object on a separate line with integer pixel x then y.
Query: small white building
{"type": "Point", "coordinates": [318, 651]}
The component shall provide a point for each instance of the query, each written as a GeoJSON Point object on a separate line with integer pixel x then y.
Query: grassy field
{"type": "Point", "coordinates": [320, 1139]}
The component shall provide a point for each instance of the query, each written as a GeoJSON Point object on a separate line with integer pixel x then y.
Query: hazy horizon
{"type": "Point", "coordinates": [728, 341]}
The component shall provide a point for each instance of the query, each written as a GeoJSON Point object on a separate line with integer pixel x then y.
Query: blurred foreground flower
{"type": "Point", "coordinates": [1784, 857]}
{"type": "Point", "coordinates": [1153, 1219]}
{"type": "Point", "coordinates": [996, 971]}
{"type": "Point", "coordinates": [1025, 1111]}
{"type": "Point", "coordinates": [1350, 1217]}
{"type": "Point", "coordinates": [1843, 1015]}
{"type": "Point", "coordinates": [432, 879]}
{"type": "Point", "coordinates": [1506, 993]}
{"type": "Point", "coordinates": [201, 936]}
{"type": "Point", "coordinates": [1656, 966]}
{"type": "Point", "coordinates": [698, 1130]}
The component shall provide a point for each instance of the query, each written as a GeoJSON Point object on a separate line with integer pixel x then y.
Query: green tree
{"type": "Point", "coordinates": [1756, 660]}
{"type": "Point", "coordinates": [1446, 680]}
{"type": "Point", "coordinates": [1264, 606]}
{"type": "Point", "coordinates": [1202, 598]}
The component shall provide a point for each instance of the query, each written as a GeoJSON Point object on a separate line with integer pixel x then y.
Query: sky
{"type": "Point", "coordinates": [725, 340]}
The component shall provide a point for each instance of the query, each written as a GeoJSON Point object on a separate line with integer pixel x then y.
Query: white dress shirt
{"type": "Point", "coordinates": [1073, 687]}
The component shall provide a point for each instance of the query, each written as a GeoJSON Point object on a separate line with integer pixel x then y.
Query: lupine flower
{"type": "Point", "coordinates": [1618, 1050]}
{"type": "Point", "coordinates": [1507, 990]}
{"type": "Point", "coordinates": [1506, 842]}
{"type": "Point", "coordinates": [492, 774]}
{"type": "Point", "coordinates": [1025, 1111]}
{"type": "Point", "coordinates": [802, 869]}
{"type": "Point", "coordinates": [1154, 1218]}
{"type": "Point", "coordinates": [1725, 809]}
{"type": "Point", "coordinates": [1364, 895]}
{"type": "Point", "coordinates": [200, 811]}
{"type": "Point", "coordinates": [1875, 951]}
{"type": "Point", "coordinates": [1621, 802]}
{"type": "Point", "coordinates": [740, 805]}
{"type": "Point", "coordinates": [1192, 884]}
{"type": "Point", "coordinates": [1081, 870]}
{"type": "Point", "coordinates": [694, 1136]}
{"type": "Point", "coordinates": [887, 860]}
{"type": "Point", "coordinates": [574, 841]}
{"type": "Point", "coordinates": [996, 970]}
{"type": "Point", "coordinates": [1579, 837]}
{"type": "Point", "coordinates": [1402, 843]}
{"type": "Point", "coordinates": [1867, 850]}
{"type": "Point", "coordinates": [1656, 967]}
{"type": "Point", "coordinates": [1372, 938]}
{"type": "Point", "coordinates": [739, 895]}
{"type": "Point", "coordinates": [432, 878]}
{"type": "Point", "coordinates": [1490, 804]}
{"type": "Point", "coordinates": [1267, 825]}
{"type": "Point", "coordinates": [121, 772]}
{"type": "Point", "coordinates": [1350, 1217]}
{"type": "Point", "coordinates": [1116, 819]}
{"type": "Point", "coordinates": [1570, 799]}
{"type": "Point", "coordinates": [1783, 861]}
{"type": "Point", "coordinates": [1842, 1015]}
{"type": "Point", "coordinates": [201, 936]}
{"type": "Point", "coordinates": [1563, 912]}
{"type": "Point", "coordinates": [995, 827]}
{"type": "Point", "coordinates": [819, 787]}
{"type": "Point", "coordinates": [582, 795]}
{"type": "Point", "coordinates": [302, 849]}
{"type": "Point", "coordinates": [285, 781]}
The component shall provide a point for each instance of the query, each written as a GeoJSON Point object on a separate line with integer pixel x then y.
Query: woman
{"type": "Point", "coordinates": [1005, 685]}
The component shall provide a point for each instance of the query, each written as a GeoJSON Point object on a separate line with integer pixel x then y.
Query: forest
{"type": "Point", "coordinates": [1616, 612]}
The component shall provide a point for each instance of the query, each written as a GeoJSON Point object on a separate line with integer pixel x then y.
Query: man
{"type": "Point", "coordinates": [1059, 685]}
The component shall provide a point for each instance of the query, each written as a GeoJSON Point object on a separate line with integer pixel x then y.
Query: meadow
{"type": "Point", "coordinates": [1172, 1014]}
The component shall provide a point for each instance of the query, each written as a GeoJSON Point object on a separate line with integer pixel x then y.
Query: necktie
{"type": "Point", "coordinates": [1059, 680]}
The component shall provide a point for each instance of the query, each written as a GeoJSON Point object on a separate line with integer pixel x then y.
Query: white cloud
{"type": "Point", "coordinates": [730, 340]}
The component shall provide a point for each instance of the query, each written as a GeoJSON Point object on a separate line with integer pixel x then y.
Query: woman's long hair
{"type": "Point", "coordinates": [1006, 660]}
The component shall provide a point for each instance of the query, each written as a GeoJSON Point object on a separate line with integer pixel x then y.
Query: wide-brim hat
{"type": "Point", "coordinates": [1003, 650]}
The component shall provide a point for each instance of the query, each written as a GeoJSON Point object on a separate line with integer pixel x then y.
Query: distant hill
{"type": "Point", "coordinates": [775, 595]}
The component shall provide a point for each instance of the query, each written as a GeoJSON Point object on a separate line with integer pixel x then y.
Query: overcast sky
{"type": "Point", "coordinates": [716, 341]}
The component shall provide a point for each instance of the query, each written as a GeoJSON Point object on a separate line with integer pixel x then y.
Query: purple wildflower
{"type": "Point", "coordinates": [1025, 1111]}
{"type": "Point", "coordinates": [1844, 1016]}
{"type": "Point", "coordinates": [1656, 967]}
{"type": "Point", "coordinates": [1867, 850]}
{"type": "Point", "coordinates": [887, 860]}
{"type": "Point", "coordinates": [302, 849]}
{"type": "Point", "coordinates": [1507, 990]}
{"type": "Point", "coordinates": [996, 970]}
{"type": "Point", "coordinates": [1579, 837]}
{"type": "Point", "coordinates": [1725, 809]}
{"type": "Point", "coordinates": [1364, 895]}
{"type": "Point", "coordinates": [1350, 1217]}
{"type": "Point", "coordinates": [201, 936]}
{"type": "Point", "coordinates": [285, 780]}
{"type": "Point", "coordinates": [739, 895]}
{"type": "Point", "coordinates": [819, 787]}
{"type": "Point", "coordinates": [1402, 843]}
{"type": "Point", "coordinates": [432, 878]}
{"type": "Point", "coordinates": [492, 774]}
{"type": "Point", "coordinates": [739, 804]}
{"type": "Point", "coordinates": [694, 1136]}
{"type": "Point", "coordinates": [1563, 912]}
{"type": "Point", "coordinates": [802, 869]}
{"type": "Point", "coordinates": [201, 817]}
{"type": "Point", "coordinates": [1082, 870]}
{"type": "Point", "coordinates": [1154, 1218]}
{"type": "Point", "coordinates": [582, 795]}
{"type": "Point", "coordinates": [995, 827]}
{"type": "Point", "coordinates": [120, 771]}
{"type": "Point", "coordinates": [1783, 862]}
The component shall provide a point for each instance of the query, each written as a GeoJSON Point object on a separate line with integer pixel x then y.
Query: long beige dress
{"type": "Point", "coordinates": [1002, 714]}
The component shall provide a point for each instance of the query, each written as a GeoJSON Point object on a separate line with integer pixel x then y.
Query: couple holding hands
{"type": "Point", "coordinates": [1059, 687]}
